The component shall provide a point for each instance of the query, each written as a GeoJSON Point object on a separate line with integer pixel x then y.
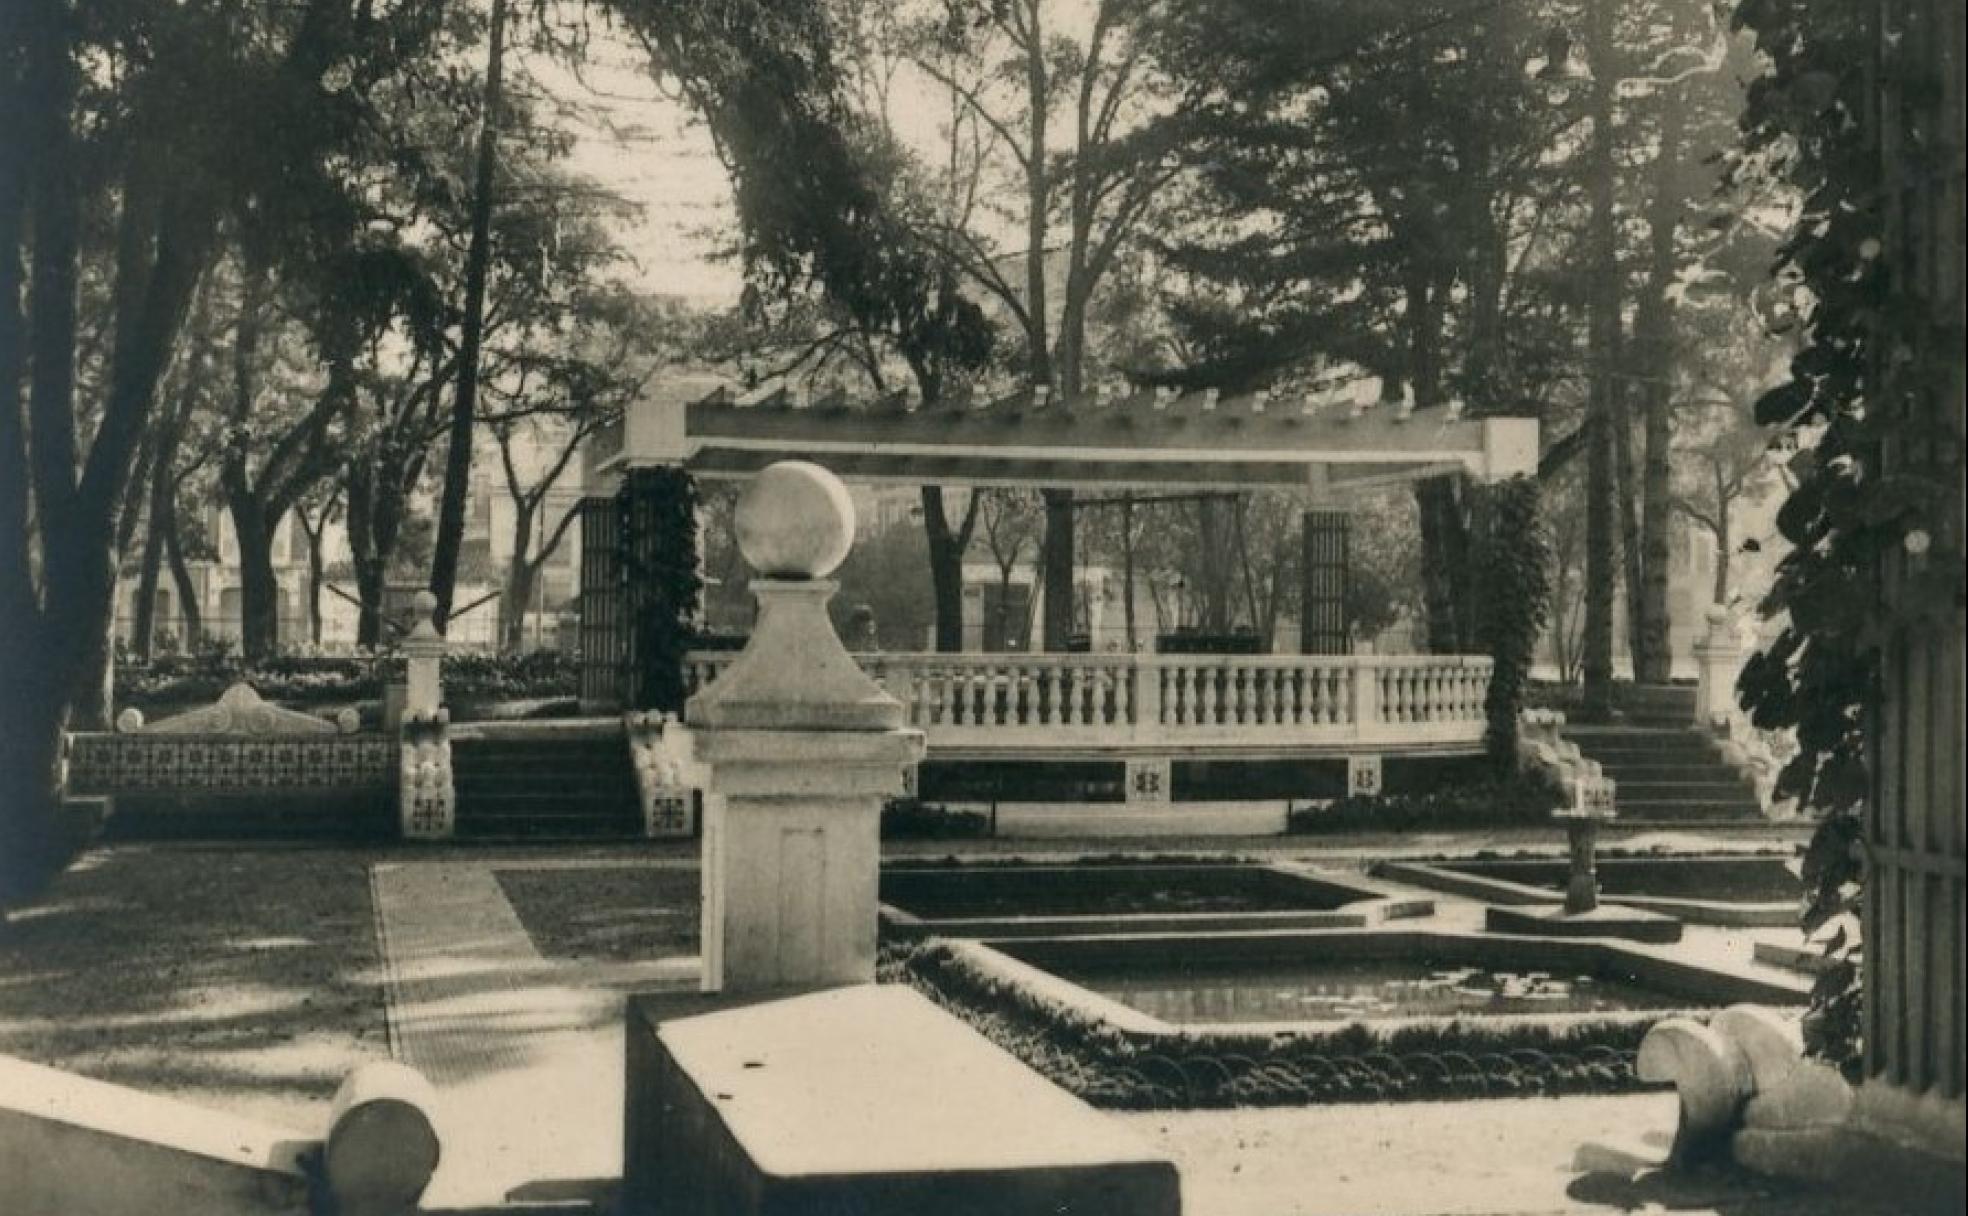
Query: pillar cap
{"type": "Point", "coordinates": [795, 521]}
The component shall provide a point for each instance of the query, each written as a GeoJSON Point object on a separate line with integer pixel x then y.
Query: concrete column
{"type": "Point", "coordinates": [423, 652]}
{"type": "Point", "coordinates": [1718, 661]}
{"type": "Point", "coordinates": [795, 748]}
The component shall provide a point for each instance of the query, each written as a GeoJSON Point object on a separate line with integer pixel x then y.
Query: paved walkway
{"type": "Point", "coordinates": [525, 1053]}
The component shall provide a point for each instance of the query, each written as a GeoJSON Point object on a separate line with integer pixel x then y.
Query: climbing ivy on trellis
{"type": "Point", "coordinates": [659, 567]}
{"type": "Point", "coordinates": [1872, 358]}
{"type": "Point", "coordinates": [1513, 571]}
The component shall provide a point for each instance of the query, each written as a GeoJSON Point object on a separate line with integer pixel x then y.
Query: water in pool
{"type": "Point", "coordinates": [1287, 991]}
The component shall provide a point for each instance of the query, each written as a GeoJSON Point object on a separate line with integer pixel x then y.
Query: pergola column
{"type": "Point", "coordinates": [1324, 566]}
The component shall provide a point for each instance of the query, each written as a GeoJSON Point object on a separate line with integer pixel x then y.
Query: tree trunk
{"type": "Point", "coordinates": [1654, 344]}
{"type": "Point", "coordinates": [946, 551]}
{"type": "Point", "coordinates": [520, 578]}
{"type": "Point", "coordinates": [450, 537]}
{"type": "Point", "coordinates": [188, 608]}
{"type": "Point", "coordinates": [1723, 543]}
{"type": "Point", "coordinates": [1127, 570]}
{"type": "Point", "coordinates": [1215, 569]}
{"type": "Point", "coordinates": [143, 620]}
{"type": "Point", "coordinates": [316, 576]}
{"type": "Point", "coordinates": [259, 588]}
{"type": "Point", "coordinates": [1602, 349]}
{"type": "Point", "coordinates": [1059, 569]}
{"type": "Point", "coordinates": [1627, 494]}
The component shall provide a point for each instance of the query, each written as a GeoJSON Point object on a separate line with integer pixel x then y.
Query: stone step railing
{"type": "Point", "coordinates": [1067, 701]}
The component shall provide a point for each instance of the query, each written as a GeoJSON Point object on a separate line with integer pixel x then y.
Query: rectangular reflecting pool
{"type": "Point", "coordinates": [1729, 879]}
{"type": "Point", "coordinates": [1371, 976]}
{"type": "Point", "coordinates": [1365, 989]}
{"type": "Point", "coordinates": [1023, 898]}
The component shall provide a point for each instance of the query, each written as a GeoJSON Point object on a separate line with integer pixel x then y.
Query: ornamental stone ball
{"type": "Point", "coordinates": [795, 521]}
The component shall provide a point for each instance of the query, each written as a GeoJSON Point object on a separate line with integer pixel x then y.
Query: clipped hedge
{"type": "Point", "coordinates": [1523, 800]}
{"type": "Point", "coordinates": [175, 682]}
{"type": "Point", "coordinates": [1354, 1062]}
{"type": "Point", "coordinates": [914, 819]}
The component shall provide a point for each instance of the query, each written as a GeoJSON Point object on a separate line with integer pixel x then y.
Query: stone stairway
{"type": "Point", "coordinates": [551, 786]}
{"type": "Point", "coordinates": [1663, 769]}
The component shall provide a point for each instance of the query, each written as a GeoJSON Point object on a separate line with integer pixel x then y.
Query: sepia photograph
{"type": "Point", "coordinates": [983, 607]}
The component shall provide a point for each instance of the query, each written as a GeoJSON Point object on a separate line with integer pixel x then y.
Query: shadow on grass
{"type": "Point", "coordinates": [200, 971]}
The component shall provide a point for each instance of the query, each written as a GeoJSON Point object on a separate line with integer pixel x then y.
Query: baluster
{"type": "Point", "coordinates": [1391, 709]}
{"type": "Point", "coordinates": [1264, 677]}
{"type": "Point", "coordinates": [1049, 701]}
{"type": "Point", "coordinates": [1212, 703]}
{"type": "Point", "coordinates": [1185, 708]}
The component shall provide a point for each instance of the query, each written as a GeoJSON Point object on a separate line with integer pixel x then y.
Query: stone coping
{"type": "Point", "coordinates": [1444, 877]}
{"type": "Point", "coordinates": [136, 1117]}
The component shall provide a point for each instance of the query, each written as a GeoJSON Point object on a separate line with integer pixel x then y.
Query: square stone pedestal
{"type": "Point", "coordinates": [1606, 920]}
{"type": "Point", "coordinates": [866, 1099]}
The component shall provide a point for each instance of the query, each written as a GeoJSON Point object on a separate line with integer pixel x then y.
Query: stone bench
{"type": "Point", "coordinates": [240, 765]}
{"type": "Point", "coordinates": [866, 1099]}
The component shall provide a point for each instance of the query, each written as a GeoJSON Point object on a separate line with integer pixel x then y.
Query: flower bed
{"type": "Point", "coordinates": [914, 819]}
{"type": "Point", "coordinates": [1127, 1069]}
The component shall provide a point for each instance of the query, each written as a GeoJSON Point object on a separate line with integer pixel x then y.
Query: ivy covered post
{"type": "Point", "coordinates": [657, 509]}
{"type": "Point", "coordinates": [1514, 595]}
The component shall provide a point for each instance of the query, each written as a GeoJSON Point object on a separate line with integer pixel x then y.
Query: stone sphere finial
{"type": "Point", "coordinates": [795, 521]}
{"type": "Point", "coordinates": [424, 602]}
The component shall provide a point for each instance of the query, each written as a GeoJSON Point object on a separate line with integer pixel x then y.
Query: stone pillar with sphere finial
{"type": "Point", "coordinates": [427, 799]}
{"type": "Point", "coordinates": [423, 655]}
{"type": "Point", "coordinates": [795, 748]}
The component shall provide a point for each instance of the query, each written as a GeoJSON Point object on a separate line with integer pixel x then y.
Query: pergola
{"type": "Point", "coordinates": [1317, 444]}
{"type": "Point", "coordinates": [1143, 709]}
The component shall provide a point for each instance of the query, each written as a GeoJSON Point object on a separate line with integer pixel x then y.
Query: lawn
{"type": "Point", "coordinates": [615, 914]}
{"type": "Point", "coordinates": [243, 979]}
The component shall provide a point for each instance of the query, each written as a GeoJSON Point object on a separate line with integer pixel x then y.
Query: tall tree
{"type": "Point", "coordinates": [464, 393]}
{"type": "Point", "coordinates": [185, 115]}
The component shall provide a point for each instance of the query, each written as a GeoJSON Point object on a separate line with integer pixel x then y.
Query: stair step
{"type": "Point", "coordinates": [549, 783]}
{"type": "Point", "coordinates": [1690, 811]}
{"type": "Point", "coordinates": [1626, 795]}
{"type": "Point", "coordinates": [493, 804]}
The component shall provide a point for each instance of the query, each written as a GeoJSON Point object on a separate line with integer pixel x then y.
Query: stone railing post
{"type": "Point", "coordinates": [1718, 660]}
{"type": "Point", "coordinates": [795, 748]}
{"type": "Point", "coordinates": [1366, 692]}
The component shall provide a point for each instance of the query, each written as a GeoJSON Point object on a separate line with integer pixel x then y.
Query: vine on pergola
{"type": "Point", "coordinates": [1870, 358]}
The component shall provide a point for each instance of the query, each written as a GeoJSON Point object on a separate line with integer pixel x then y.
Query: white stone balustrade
{"type": "Point", "coordinates": [1043, 702]}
